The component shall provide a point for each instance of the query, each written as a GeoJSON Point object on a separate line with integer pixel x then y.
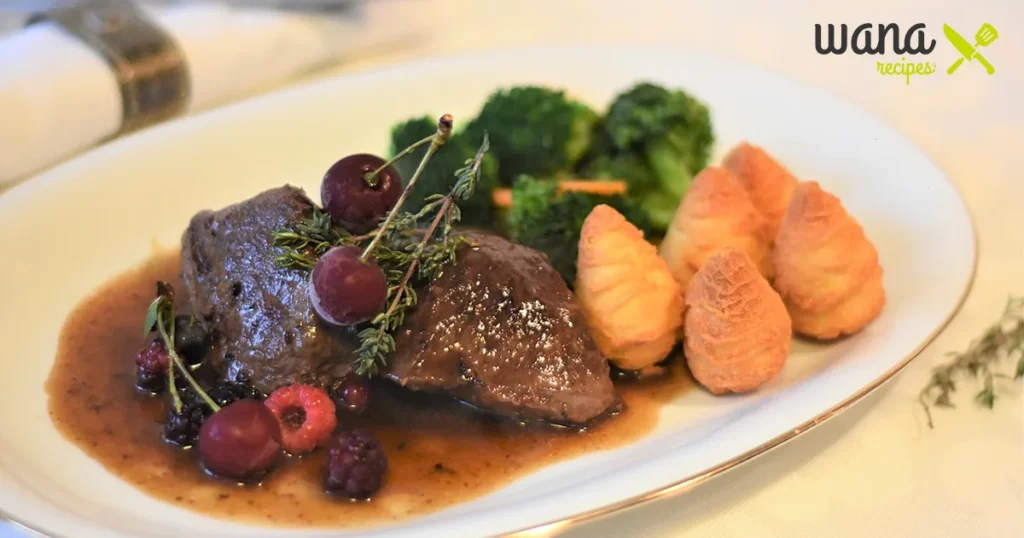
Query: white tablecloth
{"type": "Point", "coordinates": [875, 470]}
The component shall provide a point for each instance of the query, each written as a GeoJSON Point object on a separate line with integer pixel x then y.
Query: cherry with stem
{"type": "Point", "coordinates": [371, 177]}
{"type": "Point", "coordinates": [438, 139]}
{"type": "Point", "coordinates": [347, 285]}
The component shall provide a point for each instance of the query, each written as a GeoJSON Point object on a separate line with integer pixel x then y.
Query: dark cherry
{"type": "Point", "coordinates": [241, 441]}
{"type": "Point", "coordinates": [352, 394]}
{"type": "Point", "coordinates": [345, 290]}
{"type": "Point", "coordinates": [353, 202]}
{"type": "Point", "coordinates": [191, 338]}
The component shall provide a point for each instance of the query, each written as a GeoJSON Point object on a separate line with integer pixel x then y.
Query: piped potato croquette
{"type": "Point", "coordinates": [717, 213]}
{"type": "Point", "coordinates": [632, 303]}
{"type": "Point", "coordinates": [737, 333]}
{"type": "Point", "coordinates": [769, 184]}
{"type": "Point", "coordinates": [826, 269]}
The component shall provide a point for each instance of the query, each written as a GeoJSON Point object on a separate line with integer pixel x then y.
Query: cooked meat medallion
{"type": "Point", "coordinates": [498, 329]}
{"type": "Point", "coordinates": [261, 316]}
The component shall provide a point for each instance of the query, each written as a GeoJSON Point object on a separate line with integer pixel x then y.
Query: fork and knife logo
{"type": "Point", "coordinates": [985, 36]}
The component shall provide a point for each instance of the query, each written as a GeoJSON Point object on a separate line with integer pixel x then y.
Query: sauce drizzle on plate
{"type": "Point", "coordinates": [440, 452]}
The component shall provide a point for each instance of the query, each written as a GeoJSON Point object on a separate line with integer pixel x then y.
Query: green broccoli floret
{"type": "Point", "coordinates": [545, 219]}
{"type": "Point", "coordinates": [643, 188]}
{"type": "Point", "coordinates": [534, 131]}
{"type": "Point", "coordinates": [668, 133]}
{"type": "Point", "coordinates": [439, 175]}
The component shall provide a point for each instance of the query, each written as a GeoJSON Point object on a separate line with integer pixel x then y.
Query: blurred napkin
{"type": "Point", "coordinates": [58, 97]}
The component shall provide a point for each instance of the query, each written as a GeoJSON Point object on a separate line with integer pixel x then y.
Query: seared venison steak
{"type": "Point", "coordinates": [501, 330]}
{"type": "Point", "coordinates": [261, 317]}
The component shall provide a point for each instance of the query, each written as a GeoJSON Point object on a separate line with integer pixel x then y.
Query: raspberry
{"type": "Point", "coordinates": [306, 414]}
{"type": "Point", "coordinates": [152, 362]}
{"type": "Point", "coordinates": [356, 465]}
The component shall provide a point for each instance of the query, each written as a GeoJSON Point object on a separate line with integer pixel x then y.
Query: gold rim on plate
{"type": "Point", "coordinates": [556, 527]}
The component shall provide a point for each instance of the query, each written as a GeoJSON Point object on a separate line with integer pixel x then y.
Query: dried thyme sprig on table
{"type": "Point", "coordinates": [1002, 341]}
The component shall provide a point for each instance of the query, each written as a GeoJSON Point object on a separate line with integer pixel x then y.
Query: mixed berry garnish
{"type": "Point", "coordinates": [240, 436]}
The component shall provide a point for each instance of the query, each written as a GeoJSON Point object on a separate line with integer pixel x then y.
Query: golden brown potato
{"type": "Point", "coordinates": [736, 330]}
{"type": "Point", "coordinates": [633, 305]}
{"type": "Point", "coordinates": [716, 213]}
{"type": "Point", "coordinates": [826, 269]}
{"type": "Point", "coordinates": [769, 184]}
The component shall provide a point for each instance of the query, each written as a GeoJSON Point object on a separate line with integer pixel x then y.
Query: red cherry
{"type": "Point", "coordinates": [241, 441]}
{"type": "Point", "coordinates": [352, 394]}
{"type": "Point", "coordinates": [353, 203]}
{"type": "Point", "coordinates": [345, 290]}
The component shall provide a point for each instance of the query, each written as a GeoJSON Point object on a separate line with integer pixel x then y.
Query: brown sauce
{"type": "Point", "coordinates": [439, 452]}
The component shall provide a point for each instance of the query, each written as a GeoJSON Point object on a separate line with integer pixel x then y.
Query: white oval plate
{"type": "Point", "coordinates": [67, 231]}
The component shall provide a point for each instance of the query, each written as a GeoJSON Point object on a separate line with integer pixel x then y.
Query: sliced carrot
{"type": "Point", "coordinates": [600, 187]}
{"type": "Point", "coordinates": [502, 198]}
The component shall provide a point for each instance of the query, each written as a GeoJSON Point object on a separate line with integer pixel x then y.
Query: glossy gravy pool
{"type": "Point", "coordinates": [439, 452]}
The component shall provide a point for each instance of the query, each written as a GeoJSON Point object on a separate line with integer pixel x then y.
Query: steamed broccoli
{"type": "Point", "coordinates": [659, 140]}
{"type": "Point", "coordinates": [643, 187]}
{"type": "Point", "coordinates": [439, 175]}
{"type": "Point", "coordinates": [545, 219]}
{"type": "Point", "coordinates": [534, 131]}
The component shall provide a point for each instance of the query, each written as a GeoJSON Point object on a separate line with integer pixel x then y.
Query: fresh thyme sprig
{"type": "Point", "coordinates": [1003, 340]}
{"type": "Point", "coordinates": [429, 256]}
{"type": "Point", "coordinates": [402, 250]}
{"type": "Point", "coordinates": [303, 244]}
{"type": "Point", "coordinates": [160, 318]}
{"type": "Point", "coordinates": [439, 139]}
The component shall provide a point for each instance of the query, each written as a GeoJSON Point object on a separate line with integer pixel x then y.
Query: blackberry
{"type": "Point", "coordinates": [226, 392]}
{"type": "Point", "coordinates": [183, 428]}
{"type": "Point", "coordinates": [150, 381]}
{"type": "Point", "coordinates": [356, 465]}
